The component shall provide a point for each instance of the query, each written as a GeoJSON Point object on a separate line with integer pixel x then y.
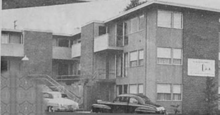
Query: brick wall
{"type": "Point", "coordinates": [200, 41]}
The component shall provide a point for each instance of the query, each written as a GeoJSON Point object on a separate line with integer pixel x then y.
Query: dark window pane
{"type": "Point", "coordinates": [63, 43]}
{"type": "Point", "coordinates": [102, 30]}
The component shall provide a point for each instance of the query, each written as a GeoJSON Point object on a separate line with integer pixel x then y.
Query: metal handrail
{"type": "Point", "coordinates": [58, 86]}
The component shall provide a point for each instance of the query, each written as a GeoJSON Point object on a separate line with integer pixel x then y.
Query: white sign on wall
{"type": "Point", "coordinates": [201, 67]}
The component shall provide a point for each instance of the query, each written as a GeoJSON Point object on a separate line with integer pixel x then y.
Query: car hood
{"type": "Point", "coordinates": [153, 104]}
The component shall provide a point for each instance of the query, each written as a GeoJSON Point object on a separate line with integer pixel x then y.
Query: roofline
{"type": "Point", "coordinates": [11, 30]}
{"type": "Point", "coordinates": [161, 3]}
{"type": "Point", "coordinates": [93, 21]}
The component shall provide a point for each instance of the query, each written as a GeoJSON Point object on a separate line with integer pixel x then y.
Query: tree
{"type": "Point", "coordinates": [133, 4]}
{"type": "Point", "coordinates": [211, 96]}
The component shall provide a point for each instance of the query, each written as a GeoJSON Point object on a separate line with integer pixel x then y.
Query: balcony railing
{"type": "Point", "coordinates": [102, 43]}
{"type": "Point", "coordinates": [76, 50]}
{"type": "Point", "coordinates": [15, 50]}
{"type": "Point", "coordinates": [61, 52]}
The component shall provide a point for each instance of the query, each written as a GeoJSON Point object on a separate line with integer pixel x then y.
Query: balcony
{"type": "Point", "coordinates": [102, 43]}
{"type": "Point", "coordinates": [76, 50]}
{"type": "Point", "coordinates": [61, 53]}
{"type": "Point", "coordinates": [15, 50]}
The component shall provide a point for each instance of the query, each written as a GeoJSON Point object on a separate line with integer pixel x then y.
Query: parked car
{"type": "Point", "coordinates": [56, 101]}
{"type": "Point", "coordinates": [128, 103]}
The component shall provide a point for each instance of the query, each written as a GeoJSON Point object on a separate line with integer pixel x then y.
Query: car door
{"type": "Point", "coordinates": [133, 104]}
{"type": "Point", "coordinates": [120, 105]}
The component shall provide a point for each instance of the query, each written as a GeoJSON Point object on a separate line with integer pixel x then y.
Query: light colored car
{"type": "Point", "coordinates": [56, 101]}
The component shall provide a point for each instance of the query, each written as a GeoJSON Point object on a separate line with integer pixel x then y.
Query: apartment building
{"type": "Point", "coordinates": [34, 53]}
{"type": "Point", "coordinates": [158, 49]}
{"type": "Point", "coordinates": [164, 50]}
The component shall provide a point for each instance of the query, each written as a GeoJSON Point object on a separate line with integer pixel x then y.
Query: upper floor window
{"type": "Point", "coordinates": [169, 56]}
{"type": "Point", "coordinates": [137, 23]}
{"type": "Point", "coordinates": [133, 58]}
{"type": "Point", "coordinates": [164, 55]}
{"type": "Point", "coordinates": [15, 38]}
{"type": "Point", "coordinates": [102, 30]}
{"type": "Point", "coordinates": [126, 65]}
{"type": "Point", "coordinates": [169, 19]}
{"type": "Point", "coordinates": [63, 42]}
{"type": "Point", "coordinates": [141, 57]}
{"type": "Point", "coordinates": [136, 88]}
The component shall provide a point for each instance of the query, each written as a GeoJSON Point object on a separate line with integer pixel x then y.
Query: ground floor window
{"type": "Point", "coordinates": [167, 92]}
{"type": "Point", "coordinates": [122, 89]}
{"type": "Point", "coordinates": [4, 65]}
{"type": "Point", "coordinates": [136, 88]}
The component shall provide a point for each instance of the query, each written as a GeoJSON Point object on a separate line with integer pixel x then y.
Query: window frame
{"type": "Point", "coordinates": [172, 19]}
{"type": "Point", "coordinates": [181, 92]}
{"type": "Point", "coordinates": [130, 65]}
{"type": "Point", "coordinates": [171, 92]}
{"type": "Point", "coordinates": [164, 93]}
{"type": "Point", "coordinates": [170, 58]}
{"type": "Point", "coordinates": [126, 64]}
{"type": "Point", "coordinates": [139, 57]}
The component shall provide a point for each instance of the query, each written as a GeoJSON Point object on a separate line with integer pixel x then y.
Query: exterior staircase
{"type": "Point", "coordinates": [47, 80]}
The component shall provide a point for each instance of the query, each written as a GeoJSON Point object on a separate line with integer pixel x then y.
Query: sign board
{"type": "Point", "coordinates": [201, 67]}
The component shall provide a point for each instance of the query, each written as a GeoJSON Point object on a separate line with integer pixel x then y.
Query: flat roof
{"type": "Point", "coordinates": [178, 3]}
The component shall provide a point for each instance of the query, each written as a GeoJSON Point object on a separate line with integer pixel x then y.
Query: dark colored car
{"type": "Point", "coordinates": [128, 103]}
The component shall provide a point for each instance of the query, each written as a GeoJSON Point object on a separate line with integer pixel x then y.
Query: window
{"type": "Point", "coordinates": [119, 30]}
{"type": "Point", "coordinates": [5, 38]}
{"type": "Point", "coordinates": [134, 24]}
{"type": "Point", "coordinates": [141, 22]}
{"type": "Point", "coordinates": [177, 20]}
{"type": "Point", "coordinates": [163, 92]}
{"type": "Point", "coordinates": [119, 89]}
{"type": "Point", "coordinates": [133, 89]}
{"type": "Point", "coordinates": [125, 89]}
{"type": "Point", "coordinates": [63, 43]}
{"type": "Point", "coordinates": [119, 65]}
{"type": "Point", "coordinates": [14, 38]}
{"type": "Point", "coordinates": [177, 92]}
{"type": "Point", "coordinates": [140, 88]}
{"type": "Point", "coordinates": [169, 56]}
{"type": "Point", "coordinates": [177, 56]}
{"type": "Point", "coordinates": [122, 89]}
{"type": "Point", "coordinates": [126, 64]}
{"type": "Point", "coordinates": [141, 57]}
{"type": "Point", "coordinates": [164, 55]}
{"type": "Point", "coordinates": [169, 19]}
{"type": "Point", "coordinates": [4, 65]}
{"type": "Point", "coordinates": [133, 58]}
{"type": "Point", "coordinates": [102, 30]}
{"type": "Point", "coordinates": [126, 31]}
{"type": "Point", "coordinates": [164, 19]}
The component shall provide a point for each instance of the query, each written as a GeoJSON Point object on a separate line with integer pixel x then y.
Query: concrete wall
{"type": "Point", "coordinates": [150, 54]}
{"type": "Point", "coordinates": [201, 41]}
{"type": "Point", "coordinates": [15, 50]}
{"type": "Point", "coordinates": [62, 53]}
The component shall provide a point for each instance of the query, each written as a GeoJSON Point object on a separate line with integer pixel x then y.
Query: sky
{"type": "Point", "coordinates": [65, 19]}
{"type": "Point", "coordinates": [62, 19]}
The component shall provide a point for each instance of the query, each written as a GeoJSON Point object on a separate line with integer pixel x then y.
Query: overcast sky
{"type": "Point", "coordinates": [65, 18]}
